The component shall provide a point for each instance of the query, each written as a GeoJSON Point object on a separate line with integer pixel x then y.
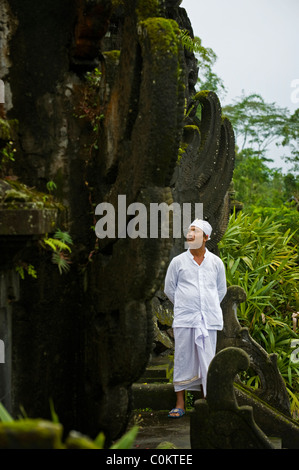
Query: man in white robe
{"type": "Point", "coordinates": [196, 284]}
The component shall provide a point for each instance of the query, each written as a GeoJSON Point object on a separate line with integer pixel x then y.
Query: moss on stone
{"type": "Point", "coordinates": [192, 127]}
{"type": "Point", "coordinates": [181, 152]}
{"type": "Point", "coordinates": [163, 35]}
{"type": "Point", "coordinates": [30, 434]}
{"type": "Point", "coordinates": [112, 56]}
{"type": "Point", "coordinates": [76, 440]}
{"type": "Point", "coordinates": [201, 94]}
{"type": "Point", "coordinates": [13, 192]}
{"type": "Point", "coordinates": [148, 8]}
{"type": "Point", "coordinates": [8, 129]}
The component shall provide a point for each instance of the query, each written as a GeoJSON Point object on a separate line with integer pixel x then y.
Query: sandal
{"type": "Point", "coordinates": [178, 411]}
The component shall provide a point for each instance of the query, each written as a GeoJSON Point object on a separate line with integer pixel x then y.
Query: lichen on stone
{"type": "Point", "coordinates": [8, 128]}
{"type": "Point", "coordinates": [13, 192]}
{"type": "Point", "coordinates": [112, 56]}
{"type": "Point", "coordinates": [148, 8]}
{"type": "Point", "coordinates": [29, 434]}
{"type": "Point", "coordinates": [163, 35]}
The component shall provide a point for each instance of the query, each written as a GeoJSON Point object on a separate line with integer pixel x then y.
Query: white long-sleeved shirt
{"type": "Point", "coordinates": [195, 290]}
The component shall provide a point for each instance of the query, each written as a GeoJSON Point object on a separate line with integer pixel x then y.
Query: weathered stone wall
{"type": "Point", "coordinates": [84, 337]}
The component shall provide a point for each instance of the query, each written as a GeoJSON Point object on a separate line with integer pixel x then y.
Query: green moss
{"type": "Point", "coordinates": [76, 440]}
{"type": "Point", "coordinates": [181, 153]}
{"type": "Point", "coordinates": [166, 445]}
{"type": "Point", "coordinates": [112, 56]}
{"type": "Point", "coordinates": [163, 35]}
{"type": "Point", "coordinates": [16, 193]}
{"type": "Point", "coordinates": [8, 129]}
{"type": "Point", "coordinates": [30, 434]}
{"type": "Point", "coordinates": [192, 127]}
{"type": "Point", "coordinates": [201, 94]}
{"type": "Point", "coordinates": [189, 131]}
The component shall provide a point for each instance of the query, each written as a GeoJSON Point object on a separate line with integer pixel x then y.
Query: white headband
{"type": "Point", "coordinates": [203, 225]}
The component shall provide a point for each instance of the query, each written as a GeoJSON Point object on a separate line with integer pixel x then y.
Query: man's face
{"type": "Point", "coordinates": [195, 237]}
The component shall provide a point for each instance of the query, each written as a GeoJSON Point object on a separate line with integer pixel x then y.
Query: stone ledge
{"type": "Point", "coordinates": [27, 220]}
{"type": "Point", "coordinates": [26, 211]}
{"type": "Point", "coordinates": [154, 396]}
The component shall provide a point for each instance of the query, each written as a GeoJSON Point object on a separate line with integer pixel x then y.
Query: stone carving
{"type": "Point", "coordinates": [92, 330]}
{"type": "Point", "coordinates": [206, 163]}
{"type": "Point", "coordinates": [162, 312]}
{"type": "Point", "coordinates": [206, 167]}
{"type": "Point", "coordinates": [273, 390]}
{"type": "Point", "coordinates": [218, 422]}
{"type": "Point", "coordinates": [141, 136]}
{"type": "Point", "coordinates": [150, 126]}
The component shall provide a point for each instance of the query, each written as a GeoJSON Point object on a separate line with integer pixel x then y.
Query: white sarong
{"type": "Point", "coordinates": [194, 350]}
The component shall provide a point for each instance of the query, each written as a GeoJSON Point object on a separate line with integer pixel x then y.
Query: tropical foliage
{"type": "Point", "coordinates": [260, 246]}
{"type": "Point", "coordinates": [50, 432]}
{"type": "Point", "coordinates": [261, 256]}
{"type": "Point", "coordinates": [206, 58]}
{"type": "Point", "coordinates": [258, 125]}
{"type": "Point", "coordinates": [257, 185]}
{"type": "Point", "coordinates": [60, 247]}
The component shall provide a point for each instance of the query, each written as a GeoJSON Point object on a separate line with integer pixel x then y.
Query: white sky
{"type": "Point", "coordinates": [257, 45]}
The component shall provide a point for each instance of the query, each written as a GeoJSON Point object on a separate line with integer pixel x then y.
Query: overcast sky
{"type": "Point", "coordinates": [257, 45]}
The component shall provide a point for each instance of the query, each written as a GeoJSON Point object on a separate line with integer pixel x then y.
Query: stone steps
{"type": "Point", "coordinates": [154, 396]}
{"type": "Point", "coordinates": [154, 389]}
{"type": "Point", "coordinates": [161, 396]}
{"type": "Point", "coordinates": [156, 374]}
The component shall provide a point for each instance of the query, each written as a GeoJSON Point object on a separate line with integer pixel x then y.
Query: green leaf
{"type": "Point", "coordinates": [54, 415]}
{"type": "Point", "coordinates": [5, 417]}
{"type": "Point", "coordinates": [126, 441]}
{"type": "Point", "coordinates": [100, 440]}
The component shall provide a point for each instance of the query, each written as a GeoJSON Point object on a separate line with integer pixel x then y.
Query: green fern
{"type": "Point", "coordinates": [56, 245]}
{"type": "Point", "coordinates": [59, 245]}
{"type": "Point", "coordinates": [29, 268]}
{"type": "Point", "coordinates": [191, 44]}
{"type": "Point", "coordinates": [63, 236]}
{"type": "Point", "coordinates": [62, 262]}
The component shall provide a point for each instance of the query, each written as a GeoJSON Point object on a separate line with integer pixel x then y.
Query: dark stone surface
{"type": "Point", "coordinates": [218, 422]}
{"type": "Point", "coordinates": [272, 390]}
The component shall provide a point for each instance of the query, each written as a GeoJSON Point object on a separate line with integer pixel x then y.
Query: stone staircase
{"type": "Point", "coordinates": [157, 371]}
{"type": "Point", "coordinates": [154, 389]}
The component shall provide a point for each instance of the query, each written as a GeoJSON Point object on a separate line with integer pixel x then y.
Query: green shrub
{"type": "Point", "coordinates": [261, 256]}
